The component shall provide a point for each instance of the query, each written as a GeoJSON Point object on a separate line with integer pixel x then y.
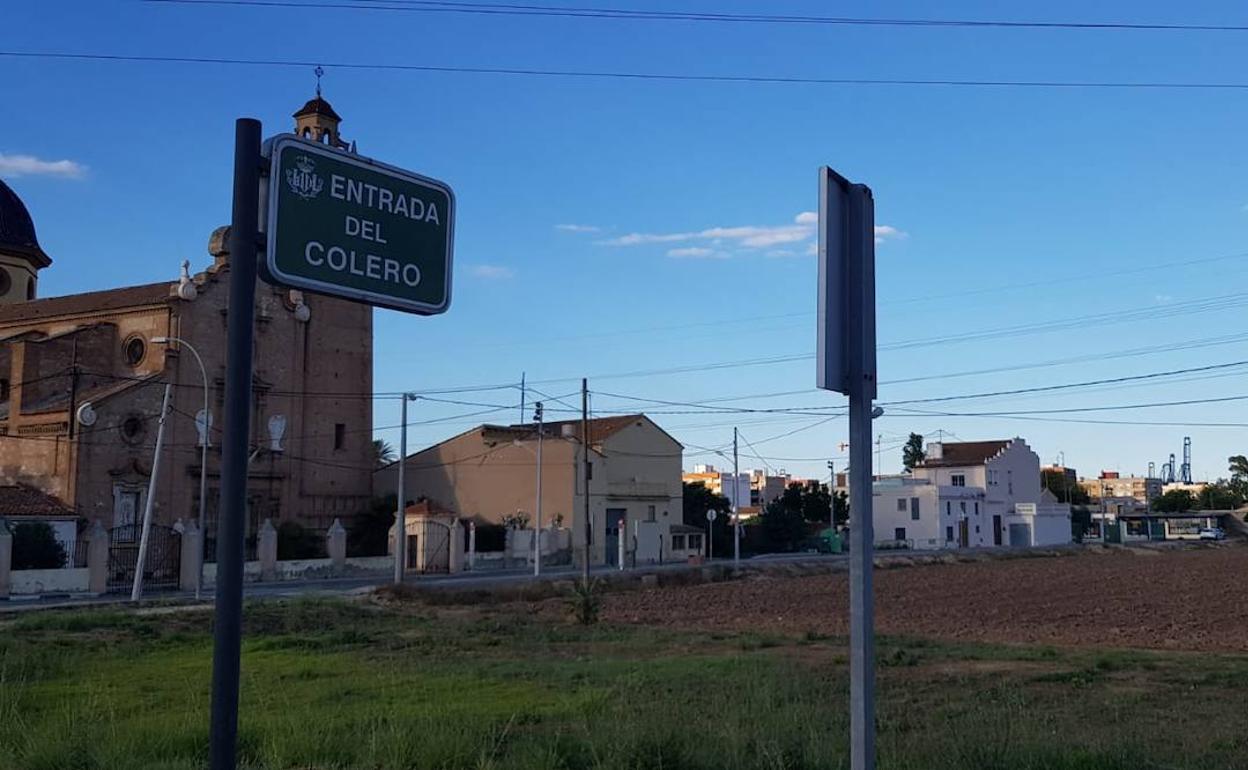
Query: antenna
{"type": "Point", "coordinates": [318, 72]}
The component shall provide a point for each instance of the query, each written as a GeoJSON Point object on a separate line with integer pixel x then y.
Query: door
{"type": "Point", "coordinates": [996, 529]}
{"type": "Point", "coordinates": [1020, 535]}
{"type": "Point", "coordinates": [413, 551]}
{"type": "Point", "coordinates": [964, 534]}
{"type": "Point", "coordinates": [616, 521]}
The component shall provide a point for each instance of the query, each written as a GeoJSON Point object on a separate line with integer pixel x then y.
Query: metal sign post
{"type": "Point", "coordinates": [227, 634]}
{"type": "Point", "coordinates": [337, 224]}
{"type": "Point", "coordinates": [846, 364]}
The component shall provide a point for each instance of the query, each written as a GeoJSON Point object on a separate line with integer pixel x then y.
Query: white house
{"type": "Point", "coordinates": [967, 494]}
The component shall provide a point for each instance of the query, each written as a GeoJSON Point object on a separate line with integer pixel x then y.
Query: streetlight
{"type": "Point", "coordinates": [203, 453]}
{"type": "Point", "coordinates": [537, 524]}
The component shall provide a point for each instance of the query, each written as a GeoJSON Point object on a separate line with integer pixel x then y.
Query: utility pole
{"type": "Point", "coordinates": [73, 389]}
{"type": "Point", "coordinates": [537, 527]}
{"type": "Point", "coordinates": [585, 444]}
{"type": "Point", "coordinates": [831, 497]}
{"type": "Point", "coordinates": [522, 394]}
{"type": "Point", "coordinates": [137, 590]}
{"type": "Point", "coordinates": [400, 514]}
{"type": "Point", "coordinates": [736, 504]}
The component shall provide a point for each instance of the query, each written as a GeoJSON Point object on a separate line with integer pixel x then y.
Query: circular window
{"type": "Point", "coordinates": [6, 282]}
{"type": "Point", "coordinates": [135, 349]}
{"type": "Point", "coordinates": [132, 429]}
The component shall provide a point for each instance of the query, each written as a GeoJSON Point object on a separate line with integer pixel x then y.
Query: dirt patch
{"type": "Point", "coordinates": [1178, 600]}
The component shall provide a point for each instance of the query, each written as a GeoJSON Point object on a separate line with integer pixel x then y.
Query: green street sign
{"type": "Point", "coordinates": [351, 227]}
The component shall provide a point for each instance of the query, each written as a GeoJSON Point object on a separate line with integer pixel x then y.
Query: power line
{"type": "Point", "coordinates": [639, 76]}
{"type": "Point", "coordinates": [516, 9]}
{"type": "Point", "coordinates": [909, 412]}
{"type": "Point", "coordinates": [1067, 386]}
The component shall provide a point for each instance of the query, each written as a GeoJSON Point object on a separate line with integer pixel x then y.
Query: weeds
{"type": "Point", "coordinates": [585, 601]}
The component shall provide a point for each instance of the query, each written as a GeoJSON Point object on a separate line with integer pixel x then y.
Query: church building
{"type": "Point", "coordinates": [82, 379]}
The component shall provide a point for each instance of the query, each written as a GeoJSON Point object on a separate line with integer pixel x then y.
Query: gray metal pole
{"type": "Point", "coordinates": [736, 504]}
{"type": "Point", "coordinates": [860, 272]}
{"type": "Point", "coordinates": [861, 604]}
{"type": "Point", "coordinates": [231, 531]}
{"type": "Point", "coordinates": [137, 589]}
{"type": "Point", "coordinates": [537, 528]}
{"type": "Point", "coordinates": [400, 506]}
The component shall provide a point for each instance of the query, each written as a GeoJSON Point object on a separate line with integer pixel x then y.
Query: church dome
{"type": "Point", "coordinates": [17, 230]}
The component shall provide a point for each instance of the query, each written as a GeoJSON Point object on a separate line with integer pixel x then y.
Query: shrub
{"type": "Point", "coordinates": [35, 547]}
{"type": "Point", "coordinates": [586, 601]}
{"type": "Point", "coordinates": [294, 541]}
{"type": "Point", "coordinates": [491, 537]}
{"type": "Point", "coordinates": [369, 533]}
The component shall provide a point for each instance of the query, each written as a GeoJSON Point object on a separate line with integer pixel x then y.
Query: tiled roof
{"type": "Point", "coordinates": [965, 453]}
{"type": "Point", "coordinates": [22, 500]}
{"type": "Point", "coordinates": [90, 302]}
{"type": "Point", "coordinates": [599, 427]}
{"type": "Point", "coordinates": [317, 106]}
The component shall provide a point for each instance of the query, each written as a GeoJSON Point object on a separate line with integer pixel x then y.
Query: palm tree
{"type": "Point", "coordinates": [383, 453]}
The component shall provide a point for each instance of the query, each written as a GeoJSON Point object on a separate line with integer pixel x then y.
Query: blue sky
{"type": "Point", "coordinates": [1008, 206]}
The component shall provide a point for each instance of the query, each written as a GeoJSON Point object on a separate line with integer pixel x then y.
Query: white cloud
{"type": "Point", "coordinates": [889, 233]}
{"type": "Point", "coordinates": [29, 165]}
{"type": "Point", "coordinates": [1162, 299]}
{"type": "Point", "coordinates": [579, 228]}
{"type": "Point", "coordinates": [694, 252]}
{"type": "Point", "coordinates": [493, 272]}
{"type": "Point", "coordinates": [747, 236]}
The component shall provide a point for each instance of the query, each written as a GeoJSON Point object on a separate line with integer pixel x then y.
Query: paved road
{"type": "Point", "coordinates": [354, 585]}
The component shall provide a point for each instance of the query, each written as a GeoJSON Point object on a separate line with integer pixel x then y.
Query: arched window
{"type": "Point", "coordinates": [30, 288]}
{"type": "Point", "coordinates": [6, 282]}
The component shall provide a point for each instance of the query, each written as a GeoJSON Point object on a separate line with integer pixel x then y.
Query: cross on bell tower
{"type": "Point", "coordinates": [317, 120]}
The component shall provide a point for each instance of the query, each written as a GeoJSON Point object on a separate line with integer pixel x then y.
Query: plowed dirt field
{"type": "Point", "coordinates": [1173, 600]}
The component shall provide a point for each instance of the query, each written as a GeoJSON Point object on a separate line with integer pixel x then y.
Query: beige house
{"type": "Point", "coordinates": [489, 475]}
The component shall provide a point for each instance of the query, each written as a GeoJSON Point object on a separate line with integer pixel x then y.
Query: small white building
{"type": "Point", "coordinates": [969, 494]}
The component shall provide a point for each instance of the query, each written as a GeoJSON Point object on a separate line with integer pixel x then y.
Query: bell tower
{"type": "Point", "coordinates": [21, 258]}
{"type": "Point", "coordinates": [317, 120]}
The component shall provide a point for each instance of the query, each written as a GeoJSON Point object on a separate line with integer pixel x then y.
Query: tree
{"type": "Point", "coordinates": [383, 453]}
{"type": "Point", "coordinates": [1065, 490]}
{"type": "Point", "coordinates": [35, 547]}
{"type": "Point", "coordinates": [697, 500]}
{"type": "Point", "coordinates": [1175, 501]}
{"type": "Point", "coordinates": [912, 453]}
{"type": "Point", "coordinates": [1221, 495]}
{"type": "Point", "coordinates": [782, 527]}
{"type": "Point", "coordinates": [1239, 475]}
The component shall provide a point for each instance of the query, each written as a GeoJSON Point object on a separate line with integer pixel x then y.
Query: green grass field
{"type": "Point", "coordinates": [330, 684]}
